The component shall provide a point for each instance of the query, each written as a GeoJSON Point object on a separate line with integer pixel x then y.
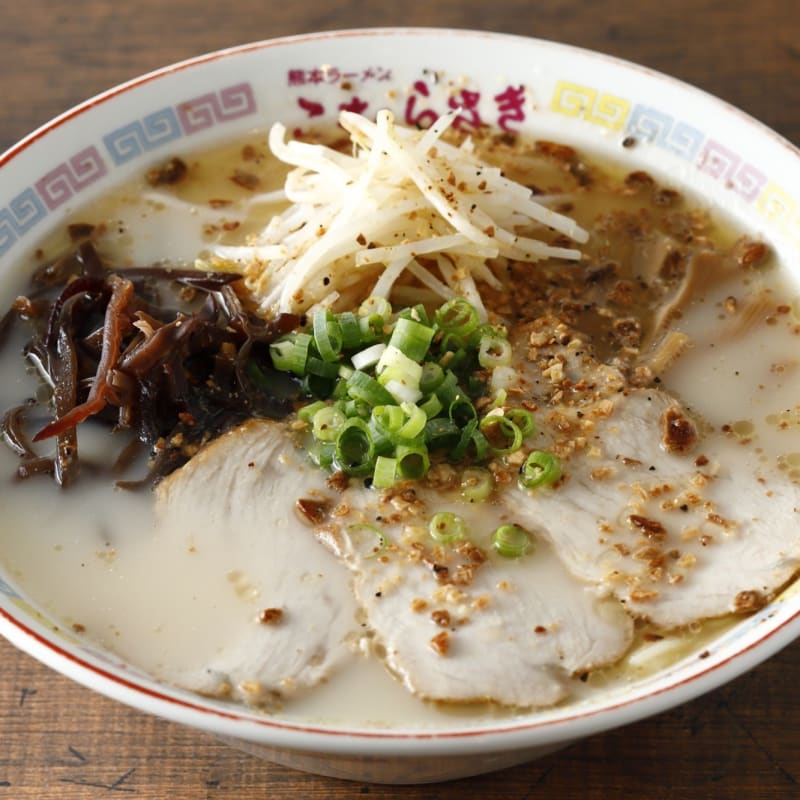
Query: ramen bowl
{"type": "Point", "coordinates": [550, 91]}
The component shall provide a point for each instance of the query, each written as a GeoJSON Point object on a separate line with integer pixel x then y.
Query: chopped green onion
{"type": "Point", "coordinates": [322, 454]}
{"type": "Point", "coordinates": [411, 338]}
{"type": "Point", "coordinates": [395, 365]}
{"type": "Point", "coordinates": [306, 413]}
{"type": "Point", "coordinates": [371, 328]}
{"type": "Point", "coordinates": [368, 357]}
{"type": "Point", "coordinates": [415, 422]}
{"type": "Point", "coordinates": [447, 527]}
{"type": "Point", "coordinates": [318, 386]}
{"type": "Point", "coordinates": [432, 406]}
{"type": "Point", "coordinates": [462, 411]}
{"type": "Point", "coordinates": [351, 330]}
{"type": "Point", "coordinates": [325, 369]}
{"type": "Point", "coordinates": [511, 541]}
{"type": "Point", "coordinates": [458, 317]}
{"type": "Point", "coordinates": [477, 484]}
{"type": "Point", "coordinates": [431, 378]}
{"type": "Point", "coordinates": [523, 419]}
{"type": "Point", "coordinates": [480, 446]}
{"type": "Point", "coordinates": [494, 351]}
{"type": "Point", "coordinates": [290, 353]}
{"type": "Point", "coordinates": [367, 540]}
{"type": "Point", "coordinates": [464, 440]}
{"type": "Point", "coordinates": [375, 305]}
{"type": "Point", "coordinates": [499, 400]}
{"type": "Point", "coordinates": [448, 390]}
{"type": "Point", "coordinates": [327, 335]}
{"type": "Point", "coordinates": [441, 432]}
{"type": "Point", "coordinates": [356, 408]}
{"type": "Point", "coordinates": [541, 468]}
{"type": "Point", "coordinates": [355, 450]}
{"type": "Point", "coordinates": [327, 423]}
{"type": "Point", "coordinates": [416, 313]}
{"type": "Point", "coordinates": [413, 461]}
{"type": "Point", "coordinates": [503, 435]}
{"type": "Point", "coordinates": [453, 359]}
{"type": "Point", "coordinates": [403, 392]}
{"type": "Point", "coordinates": [389, 418]}
{"type": "Point", "coordinates": [361, 386]}
{"type": "Point", "coordinates": [385, 470]}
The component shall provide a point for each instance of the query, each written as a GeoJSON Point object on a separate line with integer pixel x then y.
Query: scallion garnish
{"type": "Point", "coordinates": [361, 386]}
{"type": "Point", "coordinates": [368, 357]}
{"type": "Point", "coordinates": [494, 351]}
{"type": "Point", "coordinates": [503, 434]}
{"type": "Point", "coordinates": [397, 388]}
{"type": "Point", "coordinates": [290, 353]}
{"type": "Point", "coordinates": [383, 476]}
{"type": "Point", "coordinates": [411, 338]}
{"type": "Point", "coordinates": [457, 317]}
{"type": "Point", "coordinates": [446, 527]}
{"type": "Point", "coordinates": [379, 306]}
{"type": "Point", "coordinates": [413, 461]}
{"type": "Point", "coordinates": [327, 423]}
{"type": "Point", "coordinates": [354, 451]}
{"type": "Point", "coordinates": [367, 539]}
{"type": "Point", "coordinates": [327, 335]}
{"type": "Point", "coordinates": [511, 541]}
{"type": "Point", "coordinates": [477, 484]}
{"type": "Point", "coordinates": [541, 468]}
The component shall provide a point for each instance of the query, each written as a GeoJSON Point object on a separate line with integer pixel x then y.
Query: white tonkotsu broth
{"type": "Point", "coordinates": [92, 557]}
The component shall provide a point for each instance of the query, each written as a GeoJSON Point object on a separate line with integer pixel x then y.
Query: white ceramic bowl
{"type": "Point", "coordinates": [519, 84]}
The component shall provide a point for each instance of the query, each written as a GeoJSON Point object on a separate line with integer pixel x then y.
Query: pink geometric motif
{"type": "Point", "coordinates": [723, 164]}
{"type": "Point", "coordinates": [61, 183]}
{"type": "Point", "coordinates": [204, 111]}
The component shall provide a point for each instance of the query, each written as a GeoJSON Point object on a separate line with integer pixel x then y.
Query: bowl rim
{"type": "Point", "coordinates": [502, 736]}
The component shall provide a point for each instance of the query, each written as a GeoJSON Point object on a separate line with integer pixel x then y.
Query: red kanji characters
{"type": "Point", "coordinates": [510, 104]}
{"type": "Point", "coordinates": [296, 77]}
{"type": "Point", "coordinates": [423, 119]}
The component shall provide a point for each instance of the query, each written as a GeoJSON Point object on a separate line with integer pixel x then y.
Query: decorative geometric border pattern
{"type": "Point", "coordinates": [123, 144]}
{"type": "Point", "coordinates": [7, 591]}
{"type": "Point", "coordinates": [711, 157]}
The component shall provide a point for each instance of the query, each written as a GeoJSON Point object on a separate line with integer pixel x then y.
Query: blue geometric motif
{"type": "Point", "coordinates": [6, 590]}
{"type": "Point", "coordinates": [136, 137]}
{"type": "Point", "coordinates": [21, 214]}
{"type": "Point", "coordinates": [674, 135]}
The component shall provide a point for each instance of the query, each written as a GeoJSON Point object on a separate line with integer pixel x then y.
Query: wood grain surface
{"type": "Point", "coordinates": [59, 740]}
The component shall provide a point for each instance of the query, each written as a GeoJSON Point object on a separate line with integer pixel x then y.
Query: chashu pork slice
{"type": "Point", "coordinates": [681, 525]}
{"type": "Point", "coordinates": [297, 617]}
{"type": "Point", "coordinates": [457, 622]}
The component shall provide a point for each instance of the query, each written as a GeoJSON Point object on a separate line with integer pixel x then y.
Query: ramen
{"type": "Point", "coordinates": [616, 461]}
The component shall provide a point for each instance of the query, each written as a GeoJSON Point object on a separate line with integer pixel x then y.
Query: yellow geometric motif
{"type": "Point", "coordinates": [599, 108]}
{"type": "Point", "coordinates": [779, 207]}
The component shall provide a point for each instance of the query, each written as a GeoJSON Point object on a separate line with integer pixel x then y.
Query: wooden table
{"type": "Point", "coordinates": [60, 740]}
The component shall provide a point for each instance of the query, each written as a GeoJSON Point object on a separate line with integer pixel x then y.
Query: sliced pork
{"type": "Point", "coordinates": [652, 507]}
{"type": "Point", "coordinates": [458, 622]}
{"type": "Point", "coordinates": [240, 491]}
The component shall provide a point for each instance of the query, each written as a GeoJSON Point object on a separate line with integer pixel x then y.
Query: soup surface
{"type": "Point", "coordinates": [667, 296]}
